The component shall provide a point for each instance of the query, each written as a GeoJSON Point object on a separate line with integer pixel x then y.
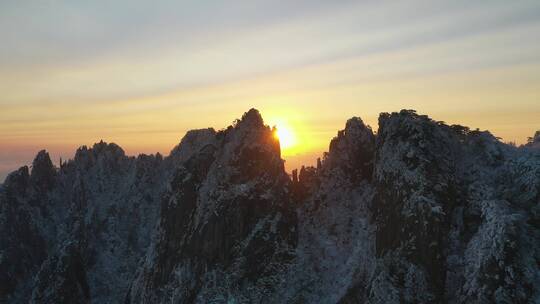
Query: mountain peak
{"type": "Point", "coordinates": [535, 140]}
{"type": "Point", "coordinates": [42, 159]}
{"type": "Point", "coordinates": [382, 219]}
{"type": "Point", "coordinates": [352, 149]}
{"type": "Point", "coordinates": [251, 118]}
{"type": "Point", "coordinates": [43, 171]}
{"type": "Point", "coordinates": [192, 142]}
{"type": "Point", "coordinates": [17, 181]}
{"type": "Point", "coordinates": [355, 127]}
{"type": "Point", "coordinates": [112, 148]}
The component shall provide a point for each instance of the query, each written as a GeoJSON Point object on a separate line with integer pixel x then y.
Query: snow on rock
{"type": "Point", "coordinates": [414, 179]}
{"type": "Point", "coordinates": [92, 217]}
{"type": "Point", "coordinates": [335, 251]}
{"type": "Point", "coordinates": [226, 229]}
{"type": "Point", "coordinates": [443, 216]}
{"type": "Point", "coordinates": [420, 212]}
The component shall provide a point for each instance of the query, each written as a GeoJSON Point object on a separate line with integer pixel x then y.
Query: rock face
{"type": "Point", "coordinates": [420, 212]}
{"type": "Point", "coordinates": [76, 233]}
{"type": "Point", "coordinates": [446, 230]}
{"type": "Point", "coordinates": [227, 225]}
{"type": "Point", "coordinates": [335, 253]}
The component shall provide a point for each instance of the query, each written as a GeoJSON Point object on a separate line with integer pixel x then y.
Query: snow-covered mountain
{"type": "Point", "coordinates": [419, 212]}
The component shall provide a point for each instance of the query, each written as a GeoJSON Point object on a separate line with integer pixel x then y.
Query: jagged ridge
{"type": "Point", "coordinates": [419, 212]}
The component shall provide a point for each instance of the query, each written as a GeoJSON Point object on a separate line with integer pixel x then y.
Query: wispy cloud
{"type": "Point", "coordinates": [73, 72]}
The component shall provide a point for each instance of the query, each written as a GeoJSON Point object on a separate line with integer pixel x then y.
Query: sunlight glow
{"type": "Point", "coordinates": [285, 136]}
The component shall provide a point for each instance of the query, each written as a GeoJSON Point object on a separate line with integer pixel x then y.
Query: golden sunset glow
{"type": "Point", "coordinates": [73, 75]}
{"type": "Point", "coordinates": [285, 136]}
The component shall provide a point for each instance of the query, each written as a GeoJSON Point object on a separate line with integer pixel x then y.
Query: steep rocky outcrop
{"type": "Point", "coordinates": [335, 253]}
{"type": "Point", "coordinates": [415, 181]}
{"type": "Point", "coordinates": [43, 173]}
{"type": "Point", "coordinates": [22, 247]}
{"type": "Point", "coordinates": [447, 229]}
{"type": "Point", "coordinates": [352, 151]}
{"type": "Point", "coordinates": [75, 233]}
{"type": "Point", "coordinates": [534, 142]}
{"type": "Point", "coordinates": [227, 226]}
{"type": "Point", "coordinates": [418, 212]}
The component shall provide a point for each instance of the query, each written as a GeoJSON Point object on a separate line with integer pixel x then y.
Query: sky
{"type": "Point", "coordinates": [142, 73]}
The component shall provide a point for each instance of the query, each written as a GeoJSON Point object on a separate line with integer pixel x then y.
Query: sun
{"type": "Point", "coordinates": [285, 136]}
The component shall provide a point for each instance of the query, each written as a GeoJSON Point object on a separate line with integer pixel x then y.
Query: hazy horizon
{"type": "Point", "coordinates": [142, 74]}
{"type": "Point", "coordinates": [291, 161]}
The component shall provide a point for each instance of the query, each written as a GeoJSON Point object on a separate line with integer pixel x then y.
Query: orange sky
{"type": "Point", "coordinates": [72, 74]}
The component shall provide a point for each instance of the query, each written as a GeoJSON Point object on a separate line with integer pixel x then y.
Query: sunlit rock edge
{"type": "Point", "coordinates": [418, 212]}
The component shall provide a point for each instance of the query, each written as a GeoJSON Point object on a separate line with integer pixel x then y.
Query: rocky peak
{"type": "Point", "coordinates": [100, 149]}
{"type": "Point", "coordinates": [17, 182]}
{"type": "Point", "coordinates": [191, 143]}
{"type": "Point", "coordinates": [252, 119]}
{"type": "Point", "coordinates": [43, 172]}
{"type": "Point", "coordinates": [218, 221]}
{"type": "Point", "coordinates": [352, 150]}
{"type": "Point", "coordinates": [250, 149]}
{"type": "Point", "coordinates": [227, 198]}
{"type": "Point", "coordinates": [408, 119]}
{"type": "Point", "coordinates": [413, 178]}
{"type": "Point", "coordinates": [535, 140]}
{"type": "Point", "coordinates": [109, 155]}
{"type": "Point", "coordinates": [408, 141]}
{"type": "Point", "coordinates": [108, 148]}
{"type": "Point", "coordinates": [536, 137]}
{"type": "Point", "coordinates": [486, 147]}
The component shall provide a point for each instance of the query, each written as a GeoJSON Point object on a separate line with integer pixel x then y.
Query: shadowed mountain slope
{"type": "Point", "coordinates": [418, 212]}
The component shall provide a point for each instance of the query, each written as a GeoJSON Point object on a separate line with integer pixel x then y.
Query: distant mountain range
{"type": "Point", "coordinates": [418, 212]}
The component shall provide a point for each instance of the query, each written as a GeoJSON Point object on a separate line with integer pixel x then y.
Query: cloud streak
{"type": "Point", "coordinates": [73, 72]}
